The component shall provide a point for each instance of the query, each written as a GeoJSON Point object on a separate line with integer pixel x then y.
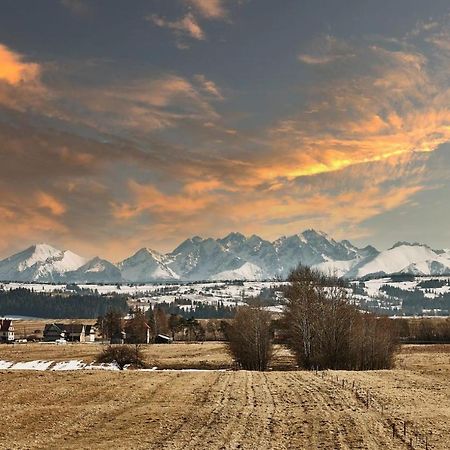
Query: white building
{"type": "Point", "coordinates": [6, 330]}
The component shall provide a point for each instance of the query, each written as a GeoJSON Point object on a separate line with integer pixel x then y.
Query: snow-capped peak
{"type": "Point", "coordinates": [232, 256]}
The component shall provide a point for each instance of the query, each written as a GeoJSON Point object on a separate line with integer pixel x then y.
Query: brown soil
{"type": "Point", "coordinates": [230, 410]}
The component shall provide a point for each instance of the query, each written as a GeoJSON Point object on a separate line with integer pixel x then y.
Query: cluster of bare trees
{"type": "Point", "coordinates": [325, 330]}
{"type": "Point", "coordinates": [435, 329]}
{"type": "Point", "coordinates": [250, 337]}
{"type": "Point", "coordinates": [321, 326]}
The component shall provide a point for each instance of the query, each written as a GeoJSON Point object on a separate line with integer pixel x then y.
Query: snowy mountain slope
{"type": "Point", "coordinates": [146, 265]}
{"type": "Point", "coordinates": [200, 259]}
{"type": "Point", "coordinates": [314, 248]}
{"type": "Point", "coordinates": [338, 268]}
{"type": "Point", "coordinates": [96, 270]}
{"type": "Point", "coordinates": [247, 271]}
{"type": "Point", "coordinates": [40, 262]}
{"type": "Point", "coordinates": [255, 250]}
{"type": "Point", "coordinates": [417, 259]}
{"type": "Point", "coordinates": [234, 256]}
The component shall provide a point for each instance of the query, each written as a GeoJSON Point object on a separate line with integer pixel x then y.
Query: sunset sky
{"type": "Point", "coordinates": [126, 124]}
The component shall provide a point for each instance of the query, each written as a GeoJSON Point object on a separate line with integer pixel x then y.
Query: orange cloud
{"type": "Point", "coordinates": [14, 70]}
{"type": "Point", "coordinates": [399, 107]}
{"type": "Point", "coordinates": [149, 198]}
{"type": "Point", "coordinates": [47, 201]}
{"type": "Point", "coordinates": [210, 9]}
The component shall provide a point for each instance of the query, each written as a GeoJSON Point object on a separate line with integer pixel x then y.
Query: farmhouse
{"type": "Point", "coordinates": [6, 330]}
{"type": "Point", "coordinates": [72, 332]}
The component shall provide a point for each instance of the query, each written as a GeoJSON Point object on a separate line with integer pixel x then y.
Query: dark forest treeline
{"type": "Point", "coordinates": [199, 310]}
{"type": "Point", "coordinates": [423, 330]}
{"type": "Point", "coordinates": [23, 302]}
{"type": "Point", "coordinates": [414, 302]}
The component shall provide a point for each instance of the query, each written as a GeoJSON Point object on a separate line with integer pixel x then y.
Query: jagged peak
{"type": "Point", "coordinates": [311, 232]}
{"type": "Point", "coordinates": [147, 251]}
{"type": "Point", "coordinates": [233, 235]}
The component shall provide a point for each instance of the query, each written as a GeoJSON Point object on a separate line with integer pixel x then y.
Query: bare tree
{"type": "Point", "coordinates": [250, 339]}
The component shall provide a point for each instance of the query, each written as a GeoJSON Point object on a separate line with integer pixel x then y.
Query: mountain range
{"type": "Point", "coordinates": [232, 257]}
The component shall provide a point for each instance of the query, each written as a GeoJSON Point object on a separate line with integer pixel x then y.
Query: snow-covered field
{"type": "Point", "coordinates": [385, 294]}
{"type": "Point", "coordinates": [55, 366]}
{"type": "Point", "coordinates": [213, 293]}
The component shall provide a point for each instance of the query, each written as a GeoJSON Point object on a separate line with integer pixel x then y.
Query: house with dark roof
{"type": "Point", "coordinates": [6, 330]}
{"type": "Point", "coordinates": [70, 332]}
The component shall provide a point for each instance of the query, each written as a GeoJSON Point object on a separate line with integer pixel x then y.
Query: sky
{"type": "Point", "coordinates": [138, 124]}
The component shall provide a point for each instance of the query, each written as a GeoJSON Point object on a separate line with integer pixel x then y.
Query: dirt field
{"type": "Point", "coordinates": [230, 410]}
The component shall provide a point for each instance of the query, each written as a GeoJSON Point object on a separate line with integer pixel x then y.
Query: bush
{"type": "Point", "coordinates": [249, 337]}
{"type": "Point", "coordinates": [122, 355]}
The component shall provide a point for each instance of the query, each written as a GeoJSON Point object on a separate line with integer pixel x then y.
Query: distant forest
{"type": "Point", "coordinates": [22, 302]}
{"type": "Point", "coordinates": [199, 310]}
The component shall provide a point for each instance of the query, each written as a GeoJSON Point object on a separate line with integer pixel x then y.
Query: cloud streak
{"type": "Point", "coordinates": [187, 25]}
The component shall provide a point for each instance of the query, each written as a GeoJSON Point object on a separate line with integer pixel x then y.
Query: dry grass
{"type": "Point", "coordinates": [213, 410]}
{"type": "Point", "coordinates": [207, 355]}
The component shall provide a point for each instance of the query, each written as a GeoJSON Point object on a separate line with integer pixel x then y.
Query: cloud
{"type": "Point", "coordinates": [395, 104]}
{"type": "Point", "coordinates": [186, 26]}
{"type": "Point", "coordinates": [47, 201]}
{"type": "Point", "coordinates": [326, 49]}
{"type": "Point", "coordinates": [20, 81]}
{"type": "Point", "coordinates": [148, 198]}
{"type": "Point", "coordinates": [140, 107]}
{"type": "Point", "coordinates": [14, 70]}
{"type": "Point", "coordinates": [209, 86]}
{"type": "Point", "coordinates": [209, 9]}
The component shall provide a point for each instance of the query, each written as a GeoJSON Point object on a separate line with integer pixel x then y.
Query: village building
{"type": "Point", "coordinates": [6, 330]}
{"type": "Point", "coordinates": [72, 332]}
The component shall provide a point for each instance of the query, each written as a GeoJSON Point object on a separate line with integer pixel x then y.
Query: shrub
{"type": "Point", "coordinates": [122, 355]}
